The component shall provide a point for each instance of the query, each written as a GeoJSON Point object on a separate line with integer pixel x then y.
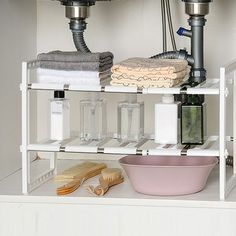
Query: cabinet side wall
{"type": "Point", "coordinates": [18, 24]}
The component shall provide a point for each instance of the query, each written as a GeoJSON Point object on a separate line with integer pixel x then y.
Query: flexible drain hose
{"type": "Point", "coordinates": [78, 27]}
{"type": "Point", "coordinates": [78, 37]}
{"type": "Point", "coordinates": [182, 54]}
{"type": "Point", "coordinates": [167, 55]}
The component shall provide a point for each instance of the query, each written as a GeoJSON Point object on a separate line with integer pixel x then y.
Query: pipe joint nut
{"type": "Point", "coordinates": [78, 25]}
{"type": "Point", "coordinates": [198, 73]}
{"type": "Point", "coordinates": [197, 21]}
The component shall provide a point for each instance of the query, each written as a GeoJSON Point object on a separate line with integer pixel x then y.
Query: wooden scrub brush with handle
{"type": "Point", "coordinates": [109, 177]}
{"type": "Point", "coordinates": [80, 178]}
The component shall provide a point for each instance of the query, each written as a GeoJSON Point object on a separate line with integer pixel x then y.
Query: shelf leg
{"type": "Point", "coordinates": [25, 130]}
{"type": "Point", "coordinates": [234, 124]}
{"type": "Point", "coordinates": [222, 143]}
{"type": "Point", "coordinates": [25, 179]}
{"type": "Point", "coordinates": [53, 163]}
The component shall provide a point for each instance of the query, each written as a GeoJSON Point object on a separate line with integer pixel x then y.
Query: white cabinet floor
{"type": "Point", "coordinates": [121, 194]}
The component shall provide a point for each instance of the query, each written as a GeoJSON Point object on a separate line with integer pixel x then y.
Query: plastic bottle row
{"type": "Point", "coordinates": [175, 122]}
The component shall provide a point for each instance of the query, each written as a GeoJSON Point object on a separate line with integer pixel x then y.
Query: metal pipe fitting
{"type": "Point", "coordinates": [198, 73]}
{"type": "Point", "coordinates": [77, 2]}
{"type": "Point", "coordinates": [197, 9]}
{"type": "Point", "coordinates": [77, 12]}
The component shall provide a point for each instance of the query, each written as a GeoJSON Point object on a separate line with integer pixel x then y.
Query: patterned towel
{"type": "Point", "coordinates": [150, 84]}
{"type": "Point", "coordinates": [146, 66]}
{"type": "Point", "coordinates": [149, 76]}
{"type": "Point", "coordinates": [145, 73]}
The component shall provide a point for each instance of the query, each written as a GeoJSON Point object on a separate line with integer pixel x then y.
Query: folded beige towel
{"type": "Point", "coordinates": [146, 65]}
{"type": "Point", "coordinates": [149, 76]}
{"type": "Point", "coordinates": [165, 83]}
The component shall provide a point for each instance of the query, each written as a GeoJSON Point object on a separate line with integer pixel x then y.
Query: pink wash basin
{"type": "Point", "coordinates": [166, 176]}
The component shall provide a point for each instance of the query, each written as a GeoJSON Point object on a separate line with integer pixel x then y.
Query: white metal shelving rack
{"type": "Point", "coordinates": [214, 146]}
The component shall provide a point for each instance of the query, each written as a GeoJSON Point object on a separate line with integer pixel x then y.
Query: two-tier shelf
{"type": "Point", "coordinates": [214, 146]}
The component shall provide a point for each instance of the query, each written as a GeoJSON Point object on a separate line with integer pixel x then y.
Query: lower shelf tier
{"type": "Point", "coordinates": [113, 146]}
{"type": "Point", "coordinates": [122, 194]}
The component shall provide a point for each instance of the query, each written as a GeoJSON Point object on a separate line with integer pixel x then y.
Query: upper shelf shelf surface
{"type": "Point", "coordinates": [209, 87]}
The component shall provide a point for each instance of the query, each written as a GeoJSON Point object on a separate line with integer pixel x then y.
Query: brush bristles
{"type": "Point", "coordinates": [69, 174]}
{"type": "Point", "coordinates": [111, 174]}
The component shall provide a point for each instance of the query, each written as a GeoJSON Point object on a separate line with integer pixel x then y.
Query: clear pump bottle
{"type": "Point", "coordinates": [130, 119]}
{"type": "Point", "coordinates": [60, 116]}
{"type": "Point", "coordinates": [93, 118]}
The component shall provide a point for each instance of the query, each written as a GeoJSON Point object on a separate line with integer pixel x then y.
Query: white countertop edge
{"type": "Point", "coordinates": [117, 201]}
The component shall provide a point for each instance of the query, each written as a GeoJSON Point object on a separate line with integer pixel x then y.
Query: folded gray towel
{"type": "Point", "coordinates": [75, 56]}
{"type": "Point", "coordinates": [75, 66]}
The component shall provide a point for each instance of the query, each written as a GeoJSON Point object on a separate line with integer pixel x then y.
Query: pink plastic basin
{"type": "Point", "coordinates": [166, 176]}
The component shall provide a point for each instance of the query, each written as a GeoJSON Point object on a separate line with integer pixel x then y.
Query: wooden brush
{"type": "Point", "coordinates": [72, 172]}
{"type": "Point", "coordinates": [109, 177]}
{"type": "Point", "coordinates": [80, 178]}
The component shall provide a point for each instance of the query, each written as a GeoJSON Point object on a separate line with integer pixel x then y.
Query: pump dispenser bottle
{"type": "Point", "coordinates": [60, 116]}
{"type": "Point", "coordinates": [166, 121]}
{"type": "Point", "coordinates": [93, 118]}
{"type": "Point", "coordinates": [130, 119]}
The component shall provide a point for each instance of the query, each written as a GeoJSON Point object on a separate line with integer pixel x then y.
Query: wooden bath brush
{"type": "Point", "coordinates": [87, 173]}
{"type": "Point", "coordinates": [109, 177]}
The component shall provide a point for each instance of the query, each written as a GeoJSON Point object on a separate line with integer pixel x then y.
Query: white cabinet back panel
{"type": "Point", "coordinates": [130, 28]}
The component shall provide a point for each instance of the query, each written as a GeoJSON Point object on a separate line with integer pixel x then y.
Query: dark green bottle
{"type": "Point", "coordinates": [193, 120]}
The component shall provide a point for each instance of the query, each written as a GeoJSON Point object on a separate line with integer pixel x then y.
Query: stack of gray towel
{"type": "Point", "coordinates": [74, 67]}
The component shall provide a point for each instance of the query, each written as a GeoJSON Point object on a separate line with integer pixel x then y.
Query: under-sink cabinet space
{"type": "Point", "coordinates": [113, 144]}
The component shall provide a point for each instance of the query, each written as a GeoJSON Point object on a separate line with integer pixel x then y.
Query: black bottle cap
{"type": "Point", "coordinates": [197, 1]}
{"type": "Point", "coordinates": [59, 94]}
{"type": "Point", "coordinates": [194, 100]}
